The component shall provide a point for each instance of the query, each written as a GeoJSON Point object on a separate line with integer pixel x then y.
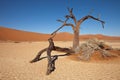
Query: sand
{"type": "Point", "coordinates": [8, 34]}
{"type": "Point", "coordinates": [15, 57]}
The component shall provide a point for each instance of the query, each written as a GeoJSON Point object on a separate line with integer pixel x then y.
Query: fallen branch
{"type": "Point", "coordinates": [38, 59]}
{"type": "Point", "coordinates": [51, 59]}
{"type": "Point", "coordinates": [59, 49]}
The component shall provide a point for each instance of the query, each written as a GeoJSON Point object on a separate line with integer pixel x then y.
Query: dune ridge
{"type": "Point", "coordinates": [7, 34]}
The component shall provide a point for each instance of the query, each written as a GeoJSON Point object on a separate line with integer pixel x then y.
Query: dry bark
{"type": "Point", "coordinates": [51, 59]}
{"type": "Point", "coordinates": [92, 45]}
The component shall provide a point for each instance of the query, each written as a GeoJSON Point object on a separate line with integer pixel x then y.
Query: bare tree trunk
{"type": "Point", "coordinates": [76, 39]}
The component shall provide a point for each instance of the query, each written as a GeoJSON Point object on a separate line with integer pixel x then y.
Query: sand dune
{"type": "Point", "coordinates": [7, 34]}
{"type": "Point", "coordinates": [17, 35]}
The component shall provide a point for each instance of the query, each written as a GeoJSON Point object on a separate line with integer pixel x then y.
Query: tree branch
{"type": "Point", "coordinates": [59, 49]}
{"type": "Point", "coordinates": [87, 17]}
{"type": "Point", "coordinates": [68, 24]}
{"type": "Point", "coordinates": [60, 21]}
{"type": "Point", "coordinates": [64, 24]}
{"type": "Point", "coordinates": [57, 30]}
{"type": "Point", "coordinates": [66, 54]}
{"type": "Point", "coordinates": [72, 15]}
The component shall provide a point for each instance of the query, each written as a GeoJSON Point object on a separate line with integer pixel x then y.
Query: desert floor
{"type": "Point", "coordinates": [15, 57]}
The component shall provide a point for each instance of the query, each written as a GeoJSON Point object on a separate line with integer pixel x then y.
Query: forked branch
{"type": "Point", "coordinates": [89, 16]}
{"type": "Point", "coordinates": [72, 15]}
{"type": "Point", "coordinates": [63, 25]}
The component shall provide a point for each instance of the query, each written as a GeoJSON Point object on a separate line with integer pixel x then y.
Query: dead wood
{"type": "Point", "coordinates": [37, 58]}
{"type": "Point", "coordinates": [88, 17]}
{"type": "Point", "coordinates": [92, 45]}
{"type": "Point", "coordinates": [51, 59]}
{"type": "Point", "coordinates": [59, 49]}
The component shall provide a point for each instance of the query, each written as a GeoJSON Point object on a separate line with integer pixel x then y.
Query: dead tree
{"type": "Point", "coordinates": [76, 26]}
{"type": "Point", "coordinates": [52, 47]}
